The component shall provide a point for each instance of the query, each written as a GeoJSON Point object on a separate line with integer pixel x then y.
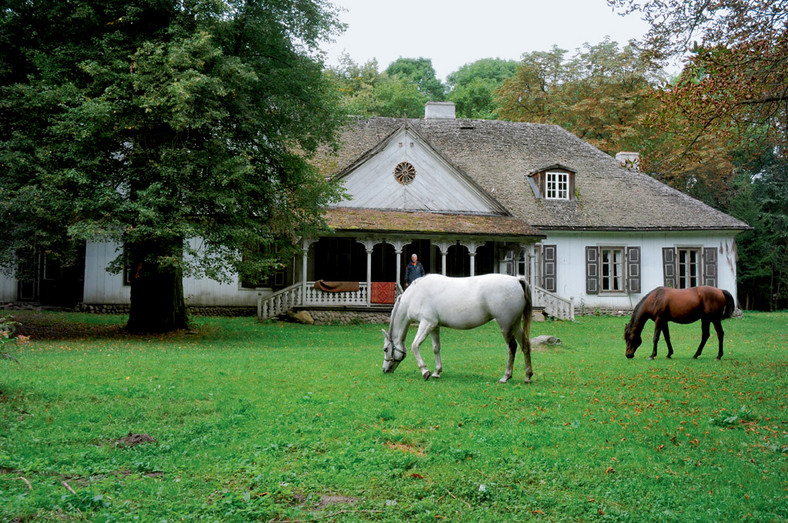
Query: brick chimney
{"type": "Point", "coordinates": [629, 160]}
{"type": "Point", "coordinates": [439, 110]}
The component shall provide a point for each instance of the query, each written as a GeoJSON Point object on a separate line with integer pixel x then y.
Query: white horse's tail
{"type": "Point", "coordinates": [528, 311]}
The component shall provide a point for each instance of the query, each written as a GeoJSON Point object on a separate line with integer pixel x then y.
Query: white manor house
{"type": "Point", "coordinates": [589, 231]}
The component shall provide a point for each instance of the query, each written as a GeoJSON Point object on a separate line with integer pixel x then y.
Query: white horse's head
{"type": "Point", "coordinates": [392, 355]}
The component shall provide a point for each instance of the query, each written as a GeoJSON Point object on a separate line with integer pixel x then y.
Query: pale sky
{"type": "Point", "coordinates": [454, 33]}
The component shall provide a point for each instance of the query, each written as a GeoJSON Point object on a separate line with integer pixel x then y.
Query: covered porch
{"type": "Point", "coordinates": [364, 261]}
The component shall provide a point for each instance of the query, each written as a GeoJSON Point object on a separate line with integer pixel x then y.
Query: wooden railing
{"type": "Point", "coordinates": [318, 298]}
{"type": "Point", "coordinates": [279, 302]}
{"type": "Point", "coordinates": [288, 298]}
{"type": "Point", "coordinates": [553, 304]}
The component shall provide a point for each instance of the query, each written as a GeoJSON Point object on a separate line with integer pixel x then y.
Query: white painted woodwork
{"type": "Point", "coordinates": [571, 271]}
{"type": "Point", "coordinates": [8, 286]}
{"type": "Point", "coordinates": [103, 287]}
{"type": "Point", "coordinates": [437, 185]}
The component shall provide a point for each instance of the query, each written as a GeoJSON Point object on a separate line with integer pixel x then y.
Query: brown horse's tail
{"type": "Point", "coordinates": [730, 305]}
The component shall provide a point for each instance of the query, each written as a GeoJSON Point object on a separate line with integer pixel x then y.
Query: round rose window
{"type": "Point", "coordinates": [404, 172]}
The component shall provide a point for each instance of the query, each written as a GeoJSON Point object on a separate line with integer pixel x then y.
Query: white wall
{"type": "Point", "coordinates": [8, 287]}
{"type": "Point", "coordinates": [571, 270]}
{"type": "Point", "coordinates": [103, 287]}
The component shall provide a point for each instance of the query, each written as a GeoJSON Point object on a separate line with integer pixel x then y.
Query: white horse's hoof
{"type": "Point", "coordinates": [435, 375]}
{"type": "Point", "coordinates": [503, 380]}
{"type": "Point", "coordinates": [425, 374]}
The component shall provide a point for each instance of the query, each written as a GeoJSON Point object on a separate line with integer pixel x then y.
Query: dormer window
{"type": "Point", "coordinates": [555, 182]}
{"type": "Point", "coordinates": [556, 185]}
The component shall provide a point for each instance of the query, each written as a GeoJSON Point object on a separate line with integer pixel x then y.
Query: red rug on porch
{"type": "Point", "coordinates": [382, 292]}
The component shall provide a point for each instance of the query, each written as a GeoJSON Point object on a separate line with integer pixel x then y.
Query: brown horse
{"type": "Point", "coordinates": [663, 304]}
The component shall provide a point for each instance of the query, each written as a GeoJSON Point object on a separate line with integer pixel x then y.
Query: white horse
{"type": "Point", "coordinates": [436, 301]}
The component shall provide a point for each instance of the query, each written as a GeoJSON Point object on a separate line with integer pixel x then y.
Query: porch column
{"type": "Point", "coordinates": [472, 246]}
{"type": "Point", "coordinates": [444, 248]}
{"type": "Point", "coordinates": [305, 245]}
{"type": "Point", "coordinates": [399, 248]}
{"type": "Point", "coordinates": [369, 245]}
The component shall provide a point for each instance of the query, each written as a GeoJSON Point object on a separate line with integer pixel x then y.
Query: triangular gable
{"type": "Point", "coordinates": [557, 166]}
{"type": "Point", "coordinates": [404, 172]}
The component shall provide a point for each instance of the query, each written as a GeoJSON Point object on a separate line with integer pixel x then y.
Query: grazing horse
{"type": "Point", "coordinates": [436, 301]}
{"type": "Point", "coordinates": [663, 304]}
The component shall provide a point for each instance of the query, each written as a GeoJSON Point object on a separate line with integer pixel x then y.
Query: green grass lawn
{"type": "Point", "coordinates": [279, 421]}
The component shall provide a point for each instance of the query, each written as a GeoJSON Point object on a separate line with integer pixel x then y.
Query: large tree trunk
{"type": "Point", "coordinates": [157, 303]}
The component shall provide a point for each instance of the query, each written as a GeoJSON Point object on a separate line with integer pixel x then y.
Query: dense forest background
{"type": "Point", "coordinates": [716, 129]}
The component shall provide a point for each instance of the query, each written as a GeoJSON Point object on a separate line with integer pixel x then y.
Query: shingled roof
{"type": "Point", "coordinates": [381, 221]}
{"type": "Point", "coordinates": [499, 156]}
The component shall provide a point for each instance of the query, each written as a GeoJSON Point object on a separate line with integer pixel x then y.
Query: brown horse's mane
{"type": "Point", "coordinates": [637, 311]}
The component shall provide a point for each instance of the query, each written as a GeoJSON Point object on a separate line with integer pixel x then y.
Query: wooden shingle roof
{"type": "Point", "coordinates": [498, 156]}
{"type": "Point", "coordinates": [382, 221]}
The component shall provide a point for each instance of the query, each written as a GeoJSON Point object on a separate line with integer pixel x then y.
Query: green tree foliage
{"type": "Point", "coordinates": [601, 94]}
{"type": "Point", "coordinates": [366, 92]}
{"type": "Point", "coordinates": [725, 119]}
{"type": "Point", "coordinates": [762, 200]}
{"type": "Point", "coordinates": [473, 87]}
{"type": "Point", "coordinates": [418, 71]}
{"type": "Point", "coordinates": [730, 101]}
{"type": "Point", "coordinates": [149, 123]}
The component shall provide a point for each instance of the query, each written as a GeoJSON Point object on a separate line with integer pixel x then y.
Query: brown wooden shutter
{"type": "Point", "coordinates": [549, 268]}
{"type": "Point", "coordinates": [710, 266]}
{"type": "Point", "coordinates": [592, 270]}
{"type": "Point", "coordinates": [669, 266]}
{"type": "Point", "coordinates": [633, 270]}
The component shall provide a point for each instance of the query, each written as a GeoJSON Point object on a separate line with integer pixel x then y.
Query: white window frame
{"type": "Point", "coordinates": [612, 272]}
{"type": "Point", "coordinates": [556, 185]}
{"type": "Point", "coordinates": [685, 277]}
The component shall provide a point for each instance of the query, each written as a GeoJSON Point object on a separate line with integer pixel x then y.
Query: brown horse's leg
{"type": "Point", "coordinates": [666, 332]}
{"type": "Point", "coordinates": [657, 330]}
{"type": "Point", "coordinates": [720, 336]}
{"type": "Point", "coordinates": [703, 337]}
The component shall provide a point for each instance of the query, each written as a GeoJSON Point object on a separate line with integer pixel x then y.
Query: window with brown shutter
{"type": "Point", "coordinates": [633, 270]}
{"type": "Point", "coordinates": [710, 266]}
{"type": "Point", "coordinates": [669, 267]}
{"type": "Point", "coordinates": [592, 270]}
{"type": "Point", "coordinates": [549, 268]}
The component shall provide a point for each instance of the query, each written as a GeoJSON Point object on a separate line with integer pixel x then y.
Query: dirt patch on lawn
{"type": "Point", "coordinates": [323, 501]}
{"type": "Point", "coordinates": [404, 447]}
{"type": "Point", "coordinates": [132, 440]}
{"type": "Point", "coordinates": [40, 326]}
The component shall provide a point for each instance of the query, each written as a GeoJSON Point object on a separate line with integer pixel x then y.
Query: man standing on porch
{"type": "Point", "coordinates": [414, 270]}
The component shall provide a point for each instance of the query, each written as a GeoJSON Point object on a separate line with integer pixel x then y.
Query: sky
{"type": "Point", "coordinates": [453, 33]}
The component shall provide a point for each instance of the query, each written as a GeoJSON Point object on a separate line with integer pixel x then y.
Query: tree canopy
{"type": "Point", "coordinates": [473, 87]}
{"type": "Point", "coordinates": [725, 121]}
{"type": "Point", "coordinates": [601, 93]}
{"type": "Point", "coordinates": [149, 123]}
{"type": "Point", "coordinates": [367, 92]}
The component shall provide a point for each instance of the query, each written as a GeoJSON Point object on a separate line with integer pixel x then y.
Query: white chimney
{"type": "Point", "coordinates": [439, 110]}
{"type": "Point", "coordinates": [629, 160]}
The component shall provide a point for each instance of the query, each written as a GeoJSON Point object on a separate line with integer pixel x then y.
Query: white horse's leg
{"type": "Point", "coordinates": [525, 346]}
{"type": "Point", "coordinates": [511, 344]}
{"type": "Point", "coordinates": [436, 349]}
{"type": "Point", "coordinates": [425, 327]}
